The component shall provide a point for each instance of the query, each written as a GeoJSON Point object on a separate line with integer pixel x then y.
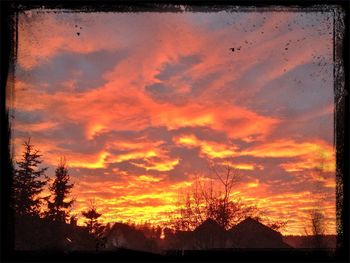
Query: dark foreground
{"type": "Point", "coordinates": [236, 255]}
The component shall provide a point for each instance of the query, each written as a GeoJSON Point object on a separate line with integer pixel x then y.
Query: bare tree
{"type": "Point", "coordinates": [205, 202]}
{"type": "Point", "coordinates": [216, 202]}
{"type": "Point", "coordinates": [317, 221]}
{"type": "Point", "coordinates": [225, 210]}
{"type": "Point", "coordinates": [316, 228]}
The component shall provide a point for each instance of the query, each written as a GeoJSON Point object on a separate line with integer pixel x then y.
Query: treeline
{"type": "Point", "coordinates": [46, 215]}
{"type": "Point", "coordinates": [45, 221]}
{"type": "Point", "coordinates": [29, 182]}
{"type": "Point", "coordinates": [203, 202]}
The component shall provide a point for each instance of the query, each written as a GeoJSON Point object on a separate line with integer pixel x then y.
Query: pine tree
{"type": "Point", "coordinates": [60, 189]}
{"type": "Point", "coordinates": [28, 181]}
{"type": "Point", "coordinates": [94, 227]}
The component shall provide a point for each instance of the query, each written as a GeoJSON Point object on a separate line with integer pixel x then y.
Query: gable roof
{"type": "Point", "coordinates": [250, 233]}
{"type": "Point", "coordinates": [209, 225]}
{"type": "Point", "coordinates": [250, 225]}
{"type": "Point", "coordinates": [209, 235]}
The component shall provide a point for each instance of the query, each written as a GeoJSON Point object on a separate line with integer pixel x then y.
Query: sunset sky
{"type": "Point", "coordinates": [141, 103]}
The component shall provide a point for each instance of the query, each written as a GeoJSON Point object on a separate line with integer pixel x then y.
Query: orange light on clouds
{"type": "Point", "coordinates": [285, 148]}
{"type": "Point", "coordinates": [95, 129]}
{"type": "Point", "coordinates": [210, 149]}
{"type": "Point", "coordinates": [140, 109]}
{"type": "Point", "coordinates": [253, 184]}
{"type": "Point", "coordinates": [100, 163]}
{"type": "Point", "coordinates": [243, 166]}
{"type": "Point", "coordinates": [148, 178]}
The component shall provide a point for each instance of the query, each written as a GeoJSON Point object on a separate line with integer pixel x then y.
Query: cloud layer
{"type": "Point", "coordinates": [141, 103]}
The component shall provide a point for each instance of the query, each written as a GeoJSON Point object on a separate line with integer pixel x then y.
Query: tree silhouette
{"type": "Point", "coordinates": [316, 228]}
{"type": "Point", "coordinates": [223, 209]}
{"type": "Point", "coordinates": [217, 203]}
{"type": "Point", "coordinates": [205, 202]}
{"type": "Point", "coordinates": [94, 227]}
{"type": "Point", "coordinates": [28, 181]}
{"type": "Point", "coordinates": [60, 188]}
{"type": "Point", "coordinates": [317, 222]}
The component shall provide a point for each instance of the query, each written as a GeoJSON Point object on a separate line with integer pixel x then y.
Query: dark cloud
{"type": "Point", "coordinates": [282, 96]}
{"type": "Point", "coordinates": [86, 172]}
{"type": "Point", "coordinates": [129, 168]}
{"type": "Point", "coordinates": [163, 93]}
{"type": "Point", "coordinates": [217, 21]}
{"type": "Point", "coordinates": [84, 70]}
{"type": "Point", "coordinates": [179, 68]}
{"type": "Point", "coordinates": [166, 92]}
{"type": "Point", "coordinates": [29, 117]}
{"type": "Point", "coordinates": [190, 164]}
{"type": "Point", "coordinates": [59, 133]}
{"type": "Point", "coordinates": [319, 126]}
{"type": "Point", "coordinates": [200, 85]}
{"type": "Point", "coordinates": [156, 133]}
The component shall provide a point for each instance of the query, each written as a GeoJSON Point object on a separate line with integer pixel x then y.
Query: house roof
{"type": "Point", "coordinates": [250, 233]}
{"type": "Point", "coordinates": [250, 225]}
{"type": "Point", "coordinates": [209, 225]}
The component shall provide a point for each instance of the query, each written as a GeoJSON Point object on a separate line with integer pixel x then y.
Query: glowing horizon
{"type": "Point", "coordinates": [141, 103]}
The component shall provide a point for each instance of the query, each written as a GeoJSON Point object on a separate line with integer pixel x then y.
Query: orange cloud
{"type": "Point", "coordinates": [125, 202]}
{"type": "Point", "coordinates": [283, 148]}
{"type": "Point", "coordinates": [244, 166]}
{"type": "Point", "coordinates": [312, 155]}
{"type": "Point", "coordinates": [253, 184]}
{"type": "Point", "coordinates": [100, 163]}
{"type": "Point", "coordinates": [133, 156]}
{"type": "Point", "coordinates": [148, 178]}
{"type": "Point", "coordinates": [210, 149]}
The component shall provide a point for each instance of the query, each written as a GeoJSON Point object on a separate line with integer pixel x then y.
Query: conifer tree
{"type": "Point", "coordinates": [95, 228]}
{"type": "Point", "coordinates": [60, 189]}
{"type": "Point", "coordinates": [28, 181]}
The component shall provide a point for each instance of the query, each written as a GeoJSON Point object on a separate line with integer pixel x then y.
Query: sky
{"type": "Point", "coordinates": [140, 104]}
